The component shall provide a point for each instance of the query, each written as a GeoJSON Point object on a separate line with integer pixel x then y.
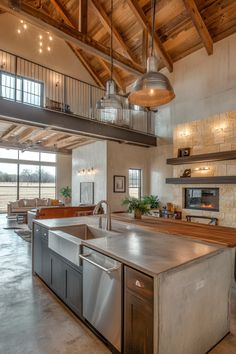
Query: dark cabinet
{"type": "Point", "coordinates": [37, 251]}
{"type": "Point", "coordinates": [73, 291]}
{"type": "Point", "coordinates": [138, 313]}
{"type": "Point", "coordinates": [46, 263]}
{"type": "Point", "coordinates": [58, 275]}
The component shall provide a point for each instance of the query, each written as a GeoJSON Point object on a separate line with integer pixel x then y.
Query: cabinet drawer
{"type": "Point", "coordinates": [140, 283]}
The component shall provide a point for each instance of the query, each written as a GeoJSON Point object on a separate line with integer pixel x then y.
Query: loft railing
{"type": "Point", "coordinates": [27, 82]}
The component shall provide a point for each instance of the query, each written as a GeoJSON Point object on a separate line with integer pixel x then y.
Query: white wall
{"type": "Point", "coordinates": [87, 156]}
{"type": "Point", "coordinates": [26, 45]}
{"type": "Point", "coordinates": [64, 173]}
{"type": "Point", "coordinates": [121, 157]}
{"type": "Point", "coordinates": [204, 85]}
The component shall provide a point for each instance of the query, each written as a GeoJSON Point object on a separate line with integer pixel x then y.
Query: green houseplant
{"type": "Point", "coordinates": [152, 201]}
{"type": "Point", "coordinates": [66, 193]}
{"type": "Point", "coordinates": [138, 206]}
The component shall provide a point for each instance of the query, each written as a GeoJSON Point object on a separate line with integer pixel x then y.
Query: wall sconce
{"type": "Point", "coordinates": [185, 133]}
{"type": "Point", "coordinates": [201, 169]}
{"type": "Point", "coordinates": [86, 171]}
{"type": "Point", "coordinates": [221, 128]}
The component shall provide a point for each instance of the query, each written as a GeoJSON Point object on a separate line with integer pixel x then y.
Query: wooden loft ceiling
{"type": "Point", "coordinates": [183, 26]}
{"type": "Point", "coordinates": [14, 135]}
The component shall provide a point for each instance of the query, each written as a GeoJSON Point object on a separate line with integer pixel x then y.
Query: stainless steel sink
{"type": "Point", "coordinates": [66, 241]}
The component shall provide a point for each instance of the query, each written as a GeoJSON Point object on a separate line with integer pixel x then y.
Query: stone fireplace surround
{"type": "Point", "coordinates": [214, 134]}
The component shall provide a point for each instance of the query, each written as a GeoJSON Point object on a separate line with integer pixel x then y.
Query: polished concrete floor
{"type": "Point", "coordinates": [33, 321]}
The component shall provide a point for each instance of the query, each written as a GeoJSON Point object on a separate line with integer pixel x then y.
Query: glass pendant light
{"type": "Point", "coordinates": [110, 106]}
{"type": "Point", "coordinates": [153, 89]}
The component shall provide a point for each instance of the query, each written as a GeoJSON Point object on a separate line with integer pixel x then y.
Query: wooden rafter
{"type": "Point", "coordinates": [115, 76]}
{"type": "Point", "coordinates": [25, 135]}
{"type": "Point", "coordinates": [83, 16]}
{"type": "Point", "coordinates": [63, 12]}
{"type": "Point", "coordinates": [81, 143]}
{"type": "Point", "coordinates": [51, 141]}
{"type": "Point", "coordinates": [145, 47]}
{"type": "Point", "coordinates": [10, 132]}
{"type": "Point", "coordinates": [140, 15]}
{"type": "Point", "coordinates": [104, 18]}
{"type": "Point", "coordinates": [67, 141]}
{"type": "Point", "coordinates": [199, 25]}
{"type": "Point", "coordinates": [40, 134]}
{"type": "Point", "coordinates": [72, 35]}
{"type": "Point", "coordinates": [85, 63]}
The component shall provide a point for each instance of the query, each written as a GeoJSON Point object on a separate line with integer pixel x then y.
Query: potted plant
{"type": "Point", "coordinates": [66, 193]}
{"type": "Point", "coordinates": [138, 206]}
{"type": "Point", "coordinates": [152, 201]}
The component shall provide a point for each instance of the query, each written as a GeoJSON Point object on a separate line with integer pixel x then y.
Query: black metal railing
{"type": "Point", "coordinates": [27, 82]}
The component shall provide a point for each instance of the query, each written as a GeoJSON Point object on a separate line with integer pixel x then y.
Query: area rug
{"type": "Point", "coordinates": [24, 234]}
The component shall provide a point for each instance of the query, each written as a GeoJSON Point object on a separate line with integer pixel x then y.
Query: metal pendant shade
{"type": "Point", "coordinates": [153, 89]}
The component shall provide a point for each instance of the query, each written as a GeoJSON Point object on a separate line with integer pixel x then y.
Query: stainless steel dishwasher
{"type": "Point", "coordinates": [102, 294]}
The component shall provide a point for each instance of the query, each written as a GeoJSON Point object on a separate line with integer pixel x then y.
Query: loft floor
{"type": "Point", "coordinates": [33, 321]}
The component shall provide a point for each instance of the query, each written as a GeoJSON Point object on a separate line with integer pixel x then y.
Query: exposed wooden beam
{"type": "Point", "coordinates": [140, 15]}
{"type": "Point", "coordinates": [25, 135]}
{"type": "Point", "coordinates": [51, 141]}
{"type": "Point", "coordinates": [199, 25]}
{"type": "Point", "coordinates": [83, 16]}
{"type": "Point", "coordinates": [15, 145]}
{"type": "Point", "coordinates": [85, 63]}
{"type": "Point", "coordinates": [10, 132]}
{"type": "Point", "coordinates": [115, 76]}
{"type": "Point", "coordinates": [67, 141]}
{"type": "Point", "coordinates": [104, 18]}
{"type": "Point", "coordinates": [63, 12]}
{"type": "Point", "coordinates": [81, 143]}
{"type": "Point", "coordinates": [40, 134]}
{"type": "Point", "coordinates": [65, 32]}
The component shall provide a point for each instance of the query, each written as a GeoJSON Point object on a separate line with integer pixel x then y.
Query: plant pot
{"type": "Point", "coordinates": [67, 201]}
{"type": "Point", "coordinates": [137, 214]}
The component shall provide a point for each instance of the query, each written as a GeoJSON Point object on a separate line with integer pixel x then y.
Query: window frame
{"type": "Point", "coordinates": [22, 78]}
{"type": "Point", "coordinates": [139, 180]}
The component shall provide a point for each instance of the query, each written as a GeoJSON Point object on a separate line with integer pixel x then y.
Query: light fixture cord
{"type": "Point", "coordinates": [153, 24]}
{"type": "Point", "coordinates": [111, 51]}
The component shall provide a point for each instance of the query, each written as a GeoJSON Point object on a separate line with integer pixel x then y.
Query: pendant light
{"type": "Point", "coordinates": [153, 89]}
{"type": "Point", "coordinates": [110, 105]}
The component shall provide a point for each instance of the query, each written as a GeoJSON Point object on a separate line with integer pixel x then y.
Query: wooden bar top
{"type": "Point", "coordinates": [221, 235]}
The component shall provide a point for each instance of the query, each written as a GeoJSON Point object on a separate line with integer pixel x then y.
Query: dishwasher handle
{"type": "Point", "coordinates": [107, 270]}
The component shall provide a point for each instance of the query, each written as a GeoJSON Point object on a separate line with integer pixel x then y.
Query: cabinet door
{"type": "Point", "coordinates": [73, 293]}
{"type": "Point", "coordinates": [138, 336]}
{"type": "Point", "coordinates": [37, 250]}
{"type": "Point", "coordinates": [46, 263]}
{"type": "Point", "coordinates": [58, 276]}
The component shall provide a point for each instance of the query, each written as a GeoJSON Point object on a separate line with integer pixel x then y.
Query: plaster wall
{"type": "Point", "coordinates": [26, 45]}
{"type": "Point", "coordinates": [204, 86]}
{"type": "Point", "coordinates": [64, 172]}
{"type": "Point", "coordinates": [121, 157]}
{"type": "Point", "coordinates": [87, 156]}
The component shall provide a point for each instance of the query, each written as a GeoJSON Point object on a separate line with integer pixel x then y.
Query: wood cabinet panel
{"type": "Point", "coordinates": [73, 291]}
{"type": "Point", "coordinates": [140, 283]}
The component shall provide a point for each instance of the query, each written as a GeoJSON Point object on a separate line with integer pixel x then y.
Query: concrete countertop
{"type": "Point", "coordinates": [149, 252]}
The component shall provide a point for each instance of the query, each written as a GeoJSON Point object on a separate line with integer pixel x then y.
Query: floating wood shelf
{"type": "Point", "coordinates": [203, 180]}
{"type": "Point", "coordinates": [211, 157]}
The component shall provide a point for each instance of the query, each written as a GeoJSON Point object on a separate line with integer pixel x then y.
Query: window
{"type": "Point", "coordinates": [29, 174]}
{"type": "Point", "coordinates": [135, 183]}
{"type": "Point", "coordinates": [20, 89]}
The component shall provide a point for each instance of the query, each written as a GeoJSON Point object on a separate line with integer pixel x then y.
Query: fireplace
{"type": "Point", "coordinates": [202, 199]}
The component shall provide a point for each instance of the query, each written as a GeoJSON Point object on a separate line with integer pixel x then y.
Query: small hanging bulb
{"type": "Point", "coordinates": [50, 38]}
{"type": "Point", "coordinates": [49, 49]}
{"type": "Point", "coordinates": [40, 36]}
{"type": "Point", "coordinates": [41, 44]}
{"type": "Point", "coordinates": [21, 21]}
{"type": "Point", "coordinates": [40, 50]}
{"type": "Point", "coordinates": [18, 31]}
{"type": "Point", "coordinates": [25, 26]}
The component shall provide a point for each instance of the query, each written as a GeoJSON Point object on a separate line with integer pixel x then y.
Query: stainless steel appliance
{"type": "Point", "coordinates": [102, 290]}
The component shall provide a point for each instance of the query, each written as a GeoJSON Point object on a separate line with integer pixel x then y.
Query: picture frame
{"type": "Point", "coordinates": [87, 192]}
{"type": "Point", "coordinates": [119, 184]}
{"type": "Point", "coordinates": [184, 152]}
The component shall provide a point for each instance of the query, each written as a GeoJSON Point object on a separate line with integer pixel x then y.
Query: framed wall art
{"type": "Point", "coordinates": [119, 184]}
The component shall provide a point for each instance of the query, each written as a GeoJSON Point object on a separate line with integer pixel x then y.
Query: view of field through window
{"type": "Point", "coordinates": [21, 179]}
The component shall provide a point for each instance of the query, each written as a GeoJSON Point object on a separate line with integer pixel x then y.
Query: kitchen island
{"type": "Point", "coordinates": [176, 291]}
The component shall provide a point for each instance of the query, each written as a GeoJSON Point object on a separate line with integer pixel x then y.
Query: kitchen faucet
{"type": "Point", "coordinates": [96, 211]}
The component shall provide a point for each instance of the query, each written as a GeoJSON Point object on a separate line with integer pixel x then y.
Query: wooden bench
{"type": "Point", "coordinates": [212, 220]}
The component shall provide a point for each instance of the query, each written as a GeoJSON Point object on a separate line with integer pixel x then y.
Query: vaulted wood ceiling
{"type": "Point", "coordinates": [21, 136]}
{"type": "Point", "coordinates": [182, 27]}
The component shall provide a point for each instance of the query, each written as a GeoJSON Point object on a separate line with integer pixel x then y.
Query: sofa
{"type": "Point", "coordinates": [59, 212]}
{"type": "Point", "coordinates": [24, 205]}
